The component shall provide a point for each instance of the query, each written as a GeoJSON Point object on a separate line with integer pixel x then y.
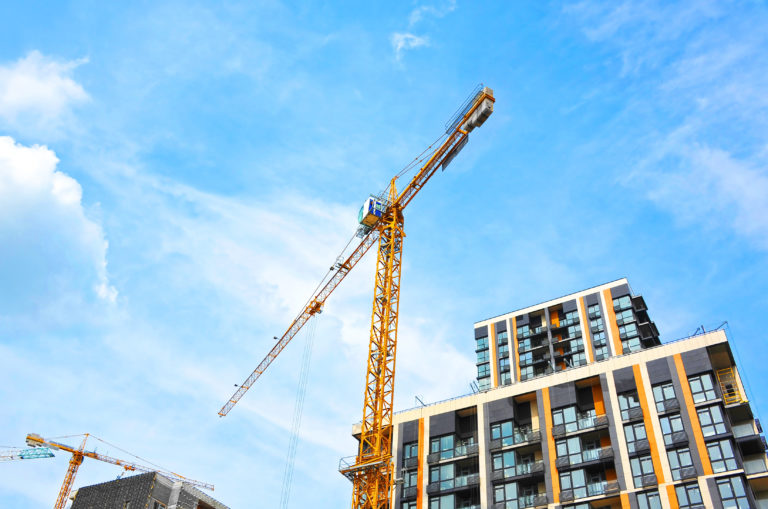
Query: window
{"type": "Point", "coordinates": [444, 502]}
{"type": "Point", "coordinates": [721, 455]}
{"type": "Point", "coordinates": [570, 448]}
{"type": "Point", "coordinates": [649, 500]}
{"type": "Point", "coordinates": [671, 424]}
{"type": "Point", "coordinates": [443, 445]}
{"type": "Point", "coordinates": [526, 372]}
{"type": "Point", "coordinates": [630, 340]}
{"type": "Point", "coordinates": [702, 388]}
{"type": "Point", "coordinates": [483, 383]}
{"type": "Point", "coordinates": [503, 350]}
{"type": "Point", "coordinates": [681, 463]}
{"type": "Point", "coordinates": [627, 402]}
{"type": "Point", "coordinates": [601, 353]}
{"type": "Point", "coordinates": [732, 493]}
{"type": "Point", "coordinates": [507, 432]}
{"type": "Point", "coordinates": [410, 450]}
{"type": "Point", "coordinates": [689, 496]}
{"type": "Point", "coordinates": [571, 420]}
{"type": "Point", "coordinates": [622, 303]}
{"type": "Point", "coordinates": [594, 311]}
{"type": "Point", "coordinates": [598, 339]}
{"type": "Point", "coordinates": [482, 356]}
{"type": "Point", "coordinates": [596, 325]}
{"type": "Point", "coordinates": [625, 316]}
{"type": "Point", "coordinates": [410, 478]}
{"type": "Point", "coordinates": [501, 338]}
{"type": "Point", "coordinates": [526, 358]}
{"type": "Point", "coordinates": [483, 370]}
{"type": "Point", "coordinates": [444, 475]}
{"type": "Point", "coordinates": [634, 433]}
{"type": "Point", "coordinates": [641, 466]}
{"type": "Point", "coordinates": [504, 364]}
{"type": "Point", "coordinates": [523, 331]}
{"type": "Point", "coordinates": [409, 505]}
{"type": "Point", "coordinates": [505, 378]}
{"type": "Point", "coordinates": [711, 420]}
{"type": "Point", "coordinates": [662, 394]}
{"type": "Point", "coordinates": [482, 343]}
{"type": "Point", "coordinates": [574, 480]}
{"type": "Point", "coordinates": [506, 494]}
{"type": "Point", "coordinates": [504, 461]}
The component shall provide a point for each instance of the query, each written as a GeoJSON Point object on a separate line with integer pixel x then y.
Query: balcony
{"type": "Point", "coordinates": [411, 462]}
{"type": "Point", "coordinates": [638, 446]}
{"type": "Point", "coordinates": [565, 323]}
{"type": "Point", "coordinates": [528, 470]}
{"type": "Point", "coordinates": [681, 474]}
{"type": "Point", "coordinates": [455, 484]}
{"type": "Point", "coordinates": [583, 424]}
{"type": "Point", "coordinates": [522, 348]}
{"type": "Point", "coordinates": [460, 451]}
{"type": "Point", "coordinates": [648, 480]}
{"type": "Point", "coordinates": [591, 490]}
{"type": "Point", "coordinates": [526, 501]}
{"type": "Point", "coordinates": [409, 492]}
{"type": "Point", "coordinates": [668, 405]}
{"type": "Point", "coordinates": [632, 414]}
{"type": "Point", "coordinates": [519, 436]}
{"type": "Point", "coordinates": [604, 454]}
{"type": "Point", "coordinates": [676, 438]}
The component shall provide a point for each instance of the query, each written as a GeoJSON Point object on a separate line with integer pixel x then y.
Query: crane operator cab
{"type": "Point", "coordinates": [370, 214]}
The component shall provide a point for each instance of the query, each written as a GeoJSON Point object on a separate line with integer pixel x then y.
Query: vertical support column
{"type": "Point", "coordinates": [614, 414]}
{"type": "Point", "coordinates": [609, 319]}
{"type": "Point", "coordinates": [421, 478]}
{"type": "Point", "coordinates": [652, 429]}
{"type": "Point", "coordinates": [686, 410]}
{"type": "Point", "coordinates": [483, 460]}
{"type": "Point", "coordinates": [494, 356]}
{"type": "Point", "coordinates": [548, 444]}
{"type": "Point", "coordinates": [586, 333]}
{"type": "Point", "coordinates": [549, 339]}
{"type": "Point", "coordinates": [513, 335]}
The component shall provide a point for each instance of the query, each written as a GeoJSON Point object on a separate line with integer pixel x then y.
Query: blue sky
{"type": "Point", "coordinates": [175, 178]}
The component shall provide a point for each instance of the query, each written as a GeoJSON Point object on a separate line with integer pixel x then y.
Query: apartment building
{"type": "Point", "coordinates": [581, 406]}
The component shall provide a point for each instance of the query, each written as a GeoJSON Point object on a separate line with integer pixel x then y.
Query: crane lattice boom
{"type": "Point", "coordinates": [372, 471]}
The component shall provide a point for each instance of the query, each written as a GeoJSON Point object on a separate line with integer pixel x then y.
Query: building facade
{"type": "Point", "coordinates": [144, 491]}
{"type": "Point", "coordinates": [580, 406]}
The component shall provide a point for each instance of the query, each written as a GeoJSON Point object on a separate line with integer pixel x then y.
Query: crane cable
{"type": "Point", "coordinates": [297, 412]}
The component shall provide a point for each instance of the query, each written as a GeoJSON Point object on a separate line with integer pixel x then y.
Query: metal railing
{"type": "Point", "coordinates": [463, 481]}
{"type": "Point", "coordinates": [457, 452]}
{"type": "Point", "coordinates": [602, 454]}
{"type": "Point", "coordinates": [585, 423]}
{"type": "Point", "coordinates": [523, 469]}
{"type": "Point", "coordinates": [729, 387]}
{"type": "Point", "coordinates": [518, 436]}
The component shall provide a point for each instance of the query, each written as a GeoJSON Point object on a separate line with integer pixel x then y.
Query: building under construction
{"type": "Point", "coordinates": [581, 406]}
{"type": "Point", "coordinates": [145, 491]}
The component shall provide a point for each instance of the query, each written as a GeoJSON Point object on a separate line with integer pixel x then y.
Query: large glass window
{"type": "Point", "coordinates": [506, 494]}
{"type": "Point", "coordinates": [634, 433]}
{"type": "Point", "coordinates": [410, 450]}
{"type": "Point", "coordinates": [443, 474]}
{"type": "Point", "coordinates": [572, 420]}
{"type": "Point", "coordinates": [505, 378]}
{"type": "Point", "coordinates": [721, 456]}
{"type": "Point", "coordinates": [483, 370]}
{"type": "Point", "coordinates": [443, 502]}
{"type": "Point", "coordinates": [501, 338]}
{"type": "Point", "coordinates": [601, 353]}
{"type": "Point", "coordinates": [649, 500]}
{"type": "Point", "coordinates": [409, 505]}
{"type": "Point", "coordinates": [711, 420]}
{"type": "Point", "coordinates": [688, 496]}
{"type": "Point", "coordinates": [504, 364]}
{"type": "Point", "coordinates": [702, 388]}
{"type": "Point", "coordinates": [570, 448]}
{"type": "Point", "coordinates": [622, 303]}
{"type": "Point", "coordinates": [443, 445]}
{"type": "Point", "coordinates": [526, 372]}
{"type": "Point", "coordinates": [662, 394]}
{"type": "Point", "coordinates": [482, 356]}
{"type": "Point", "coordinates": [628, 401]}
{"type": "Point", "coordinates": [593, 311]}
{"type": "Point", "coordinates": [670, 424]}
{"type": "Point", "coordinates": [641, 466]}
{"type": "Point", "coordinates": [574, 480]}
{"type": "Point", "coordinates": [732, 493]}
{"type": "Point", "coordinates": [523, 331]}
{"type": "Point", "coordinates": [410, 478]}
{"type": "Point", "coordinates": [504, 461]}
{"type": "Point", "coordinates": [484, 383]}
{"type": "Point", "coordinates": [681, 463]}
{"type": "Point", "coordinates": [507, 432]}
{"type": "Point", "coordinates": [503, 350]}
{"type": "Point", "coordinates": [482, 343]}
{"type": "Point", "coordinates": [625, 316]}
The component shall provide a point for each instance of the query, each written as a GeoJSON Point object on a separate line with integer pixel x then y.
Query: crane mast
{"type": "Point", "coordinates": [382, 219]}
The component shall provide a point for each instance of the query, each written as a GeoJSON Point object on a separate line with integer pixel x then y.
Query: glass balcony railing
{"type": "Point", "coordinates": [518, 436]}
{"type": "Point", "coordinates": [523, 469]}
{"type": "Point", "coordinates": [582, 423]}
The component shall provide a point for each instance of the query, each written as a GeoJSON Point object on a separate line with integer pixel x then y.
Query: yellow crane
{"type": "Point", "coordinates": [79, 453]}
{"type": "Point", "coordinates": [381, 219]}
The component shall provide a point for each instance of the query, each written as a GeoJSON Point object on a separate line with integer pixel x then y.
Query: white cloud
{"type": "Point", "coordinates": [407, 41]}
{"type": "Point", "coordinates": [52, 256]}
{"type": "Point", "coordinates": [429, 10]}
{"type": "Point", "coordinates": [38, 91]}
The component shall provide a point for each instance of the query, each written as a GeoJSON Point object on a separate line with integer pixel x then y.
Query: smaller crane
{"type": "Point", "coordinates": [31, 453]}
{"type": "Point", "coordinates": [79, 453]}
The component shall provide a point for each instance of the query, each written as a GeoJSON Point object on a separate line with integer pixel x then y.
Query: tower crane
{"type": "Point", "coordinates": [31, 453]}
{"type": "Point", "coordinates": [381, 220]}
{"type": "Point", "coordinates": [79, 453]}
